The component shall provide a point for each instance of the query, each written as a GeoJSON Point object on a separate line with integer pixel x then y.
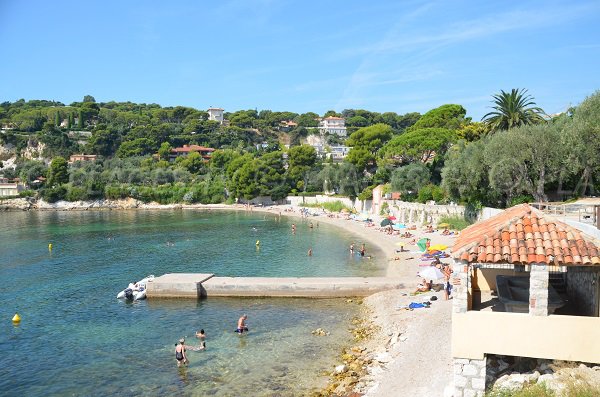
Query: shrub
{"type": "Point", "coordinates": [27, 193]}
{"type": "Point", "coordinates": [431, 192]}
{"type": "Point", "coordinates": [455, 222]}
{"type": "Point", "coordinates": [75, 193]}
{"type": "Point", "coordinates": [54, 194]}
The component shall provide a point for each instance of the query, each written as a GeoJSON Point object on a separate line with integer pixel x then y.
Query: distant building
{"type": "Point", "coordinates": [10, 189]}
{"type": "Point", "coordinates": [205, 152]}
{"type": "Point", "coordinates": [215, 114]}
{"type": "Point", "coordinates": [338, 152]}
{"type": "Point", "coordinates": [82, 157]}
{"type": "Point", "coordinates": [333, 125]}
{"type": "Point", "coordinates": [317, 142]}
{"type": "Point", "coordinates": [287, 125]}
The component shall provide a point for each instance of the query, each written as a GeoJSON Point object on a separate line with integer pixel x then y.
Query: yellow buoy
{"type": "Point", "coordinates": [50, 247]}
{"type": "Point", "coordinates": [16, 318]}
{"type": "Point", "coordinates": [257, 242]}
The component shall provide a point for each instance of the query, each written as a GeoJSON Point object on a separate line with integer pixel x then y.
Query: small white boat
{"type": "Point", "coordinates": [135, 291]}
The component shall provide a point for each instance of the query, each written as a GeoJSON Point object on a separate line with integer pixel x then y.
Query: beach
{"type": "Point", "coordinates": [411, 349]}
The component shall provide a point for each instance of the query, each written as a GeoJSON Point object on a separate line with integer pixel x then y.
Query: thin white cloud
{"type": "Point", "coordinates": [418, 49]}
{"type": "Point", "coordinates": [397, 40]}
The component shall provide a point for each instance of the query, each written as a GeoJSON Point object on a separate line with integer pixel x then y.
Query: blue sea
{"type": "Point", "coordinates": [77, 339]}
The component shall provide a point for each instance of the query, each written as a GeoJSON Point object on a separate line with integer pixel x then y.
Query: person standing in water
{"type": "Point", "coordinates": [202, 336]}
{"type": "Point", "coordinates": [310, 252]}
{"type": "Point", "coordinates": [362, 249]}
{"type": "Point", "coordinates": [241, 325]}
{"type": "Point", "coordinates": [180, 355]}
{"type": "Point", "coordinates": [352, 248]}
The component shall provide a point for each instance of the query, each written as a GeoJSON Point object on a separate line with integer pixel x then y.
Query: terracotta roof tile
{"type": "Point", "coordinates": [524, 235]}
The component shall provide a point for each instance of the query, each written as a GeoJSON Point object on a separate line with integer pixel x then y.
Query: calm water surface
{"type": "Point", "coordinates": [77, 339]}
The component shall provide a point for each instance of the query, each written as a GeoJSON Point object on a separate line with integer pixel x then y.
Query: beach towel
{"type": "Point", "coordinates": [415, 305]}
{"type": "Point", "coordinates": [422, 244]}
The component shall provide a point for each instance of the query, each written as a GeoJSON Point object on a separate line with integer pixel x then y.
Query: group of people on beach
{"type": "Point", "coordinates": [427, 285]}
{"type": "Point", "coordinates": [181, 347]}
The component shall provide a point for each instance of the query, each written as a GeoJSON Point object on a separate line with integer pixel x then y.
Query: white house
{"type": "Point", "coordinates": [333, 125]}
{"type": "Point", "coordinates": [215, 114]}
{"type": "Point", "coordinates": [10, 189]}
{"type": "Point", "coordinates": [339, 152]}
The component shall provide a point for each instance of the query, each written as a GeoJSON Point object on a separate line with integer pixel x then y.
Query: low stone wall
{"type": "Point", "coordinates": [469, 377]}
{"type": "Point", "coordinates": [417, 213]}
{"type": "Point", "coordinates": [358, 205]}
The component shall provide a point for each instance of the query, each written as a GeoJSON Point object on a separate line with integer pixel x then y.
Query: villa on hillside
{"type": "Point", "coordinates": [215, 114]}
{"type": "Point", "coordinates": [333, 125]}
{"type": "Point", "coordinates": [287, 125]}
{"type": "Point", "coordinates": [525, 285]}
{"type": "Point", "coordinates": [82, 157]}
{"type": "Point", "coordinates": [205, 152]}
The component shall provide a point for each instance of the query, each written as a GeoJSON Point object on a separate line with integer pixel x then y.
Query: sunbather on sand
{"type": "Point", "coordinates": [423, 286]}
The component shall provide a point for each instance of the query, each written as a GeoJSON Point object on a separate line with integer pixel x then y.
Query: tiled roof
{"type": "Point", "coordinates": [525, 235]}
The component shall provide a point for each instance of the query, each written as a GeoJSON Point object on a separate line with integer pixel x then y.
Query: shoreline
{"type": "Point", "coordinates": [414, 343]}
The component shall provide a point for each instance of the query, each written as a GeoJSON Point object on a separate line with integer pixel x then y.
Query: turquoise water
{"type": "Point", "coordinates": [77, 339]}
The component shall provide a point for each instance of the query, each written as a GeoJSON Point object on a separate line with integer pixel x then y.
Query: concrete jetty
{"type": "Point", "coordinates": [199, 285]}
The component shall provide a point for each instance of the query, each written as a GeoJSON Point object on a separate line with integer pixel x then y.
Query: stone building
{"type": "Point", "coordinates": [524, 285]}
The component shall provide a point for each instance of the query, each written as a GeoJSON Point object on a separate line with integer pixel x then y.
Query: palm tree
{"type": "Point", "coordinates": [513, 109]}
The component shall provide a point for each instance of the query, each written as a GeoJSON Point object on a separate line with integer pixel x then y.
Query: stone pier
{"type": "Point", "coordinates": [191, 285]}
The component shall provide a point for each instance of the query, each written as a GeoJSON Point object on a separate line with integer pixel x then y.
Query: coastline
{"type": "Point", "coordinates": [404, 350]}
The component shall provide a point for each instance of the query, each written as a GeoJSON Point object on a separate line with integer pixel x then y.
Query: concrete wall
{"type": "Point", "coordinates": [519, 334]}
{"type": "Point", "coordinates": [485, 279]}
{"type": "Point", "coordinates": [417, 213]}
{"type": "Point", "coordinates": [583, 289]}
{"type": "Point", "coordinates": [358, 205]}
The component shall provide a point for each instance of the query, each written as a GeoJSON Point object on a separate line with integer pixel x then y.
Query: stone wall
{"type": "Point", "coordinates": [411, 213]}
{"type": "Point", "coordinates": [538, 290]}
{"type": "Point", "coordinates": [358, 205]}
{"type": "Point", "coordinates": [582, 288]}
{"type": "Point", "coordinates": [469, 377]}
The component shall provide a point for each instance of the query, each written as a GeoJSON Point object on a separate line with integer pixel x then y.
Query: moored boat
{"type": "Point", "coordinates": [135, 291]}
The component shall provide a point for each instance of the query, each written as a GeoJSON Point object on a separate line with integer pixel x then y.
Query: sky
{"type": "Point", "coordinates": [300, 56]}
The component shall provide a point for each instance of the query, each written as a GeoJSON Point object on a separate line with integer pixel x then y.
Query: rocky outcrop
{"type": "Point", "coordinates": [510, 374]}
{"type": "Point", "coordinates": [17, 204]}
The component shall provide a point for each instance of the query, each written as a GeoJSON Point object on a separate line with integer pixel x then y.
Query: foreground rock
{"type": "Point", "coordinates": [563, 378]}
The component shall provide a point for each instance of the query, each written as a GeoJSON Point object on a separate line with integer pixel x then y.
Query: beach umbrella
{"type": "Point", "coordinates": [444, 225]}
{"type": "Point", "coordinates": [422, 244]}
{"type": "Point", "coordinates": [392, 218]}
{"type": "Point", "coordinates": [345, 210]}
{"type": "Point", "coordinates": [401, 243]}
{"type": "Point", "coordinates": [386, 222]}
{"type": "Point", "coordinates": [431, 273]}
{"type": "Point", "coordinates": [397, 227]}
{"type": "Point", "coordinates": [438, 247]}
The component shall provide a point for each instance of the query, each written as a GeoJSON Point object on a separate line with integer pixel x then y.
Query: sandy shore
{"type": "Point", "coordinates": [412, 348]}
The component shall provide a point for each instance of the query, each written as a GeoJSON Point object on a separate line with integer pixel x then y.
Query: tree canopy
{"type": "Point", "coordinates": [513, 109]}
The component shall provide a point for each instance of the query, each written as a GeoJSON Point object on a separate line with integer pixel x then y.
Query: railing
{"type": "Point", "coordinates": [585, 213]}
